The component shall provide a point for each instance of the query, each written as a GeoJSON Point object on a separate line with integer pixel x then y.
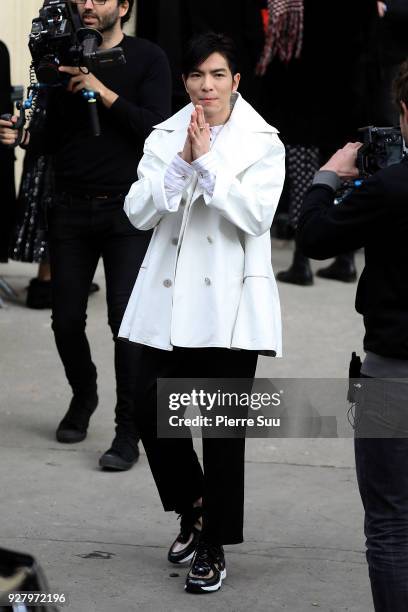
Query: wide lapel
{"type": "Point", "coordinates": [176, 132]}
{"type": "Point", "coordinates": [244, 138]}
{"type": "Point", "coordinates": [242, 141]}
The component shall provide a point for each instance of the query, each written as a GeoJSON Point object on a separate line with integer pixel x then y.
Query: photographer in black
{"type": "Point", "coordinates": [86, 221]}
{"type": "Point", "coordinates": [375, 216]}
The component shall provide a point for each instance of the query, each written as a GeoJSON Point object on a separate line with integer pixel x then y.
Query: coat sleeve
{"type": "Point", "coordinates": [146, 202]}
{"type": "Point", "coordinates": [250, 199]}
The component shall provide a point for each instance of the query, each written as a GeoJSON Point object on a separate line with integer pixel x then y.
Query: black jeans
{"type": "Point", "coordinates": [175, 467]}
{"type": "Point", "coordinates": [381, 450]}
{"type": "Point", "coordinates": [81, 230]}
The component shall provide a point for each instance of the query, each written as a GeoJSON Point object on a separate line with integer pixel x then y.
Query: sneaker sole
{"type": "Point", "coordinates": [66, 438]}
{"type": "Point", "coordinates": [111, 463]}
{"type": "Point", "coordinates": [182, 560]}
{"type": "Point", "coordinates": [209, 589]}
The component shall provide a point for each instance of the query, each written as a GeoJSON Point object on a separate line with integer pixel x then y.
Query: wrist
{"type": "Point", "coordinates": [108, 97]}
{"type": "Point", "coordinates": [330, 168]}
{"type": "Point", "coordinates": [197, 154]}
{"type": "Point", "coordinates": [185, 157]}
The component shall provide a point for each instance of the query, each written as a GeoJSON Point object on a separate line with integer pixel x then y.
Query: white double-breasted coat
{"type": "Point", "coordinates": [207, 278]}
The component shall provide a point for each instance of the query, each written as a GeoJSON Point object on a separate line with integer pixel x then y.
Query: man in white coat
{"type": "Point", "coordinates": [209, 183]}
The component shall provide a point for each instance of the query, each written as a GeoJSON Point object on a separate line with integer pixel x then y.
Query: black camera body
{"type": "Point", "coordinates": [382, 147]}
{"type": "Point", "coordinates": [58, 37]}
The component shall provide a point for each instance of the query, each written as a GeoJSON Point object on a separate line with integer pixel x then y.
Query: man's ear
{"type": "Point", "coordinates": [235, 81]}
{"type": "Point", "coordinates": [123, 8]}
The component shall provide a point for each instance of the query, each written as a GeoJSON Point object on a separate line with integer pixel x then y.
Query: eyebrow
{"type": "Point", "coordinates": [211, 71]}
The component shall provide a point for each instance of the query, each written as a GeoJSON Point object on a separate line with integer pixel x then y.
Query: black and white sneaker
{"type": "Point", "coordinates": [207, 569]}
{"type": "Point", "coordinates": [185, 545]}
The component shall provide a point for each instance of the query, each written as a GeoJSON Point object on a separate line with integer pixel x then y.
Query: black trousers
{"type": "Point", "coordinates": [81, 230]}
{"type": "Point", "coordinates": [381, 450]}
{"type": "Point", "coordinates": [175, 467]}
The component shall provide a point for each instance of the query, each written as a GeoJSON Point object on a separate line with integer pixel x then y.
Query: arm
{"type": "Point", "coordinates": [159, 188]}
{"type": "Point", "coordinates": [177, 177]}
{"type": "Point", "coordinates": [206, 168]}
{"type": "Point", "coordinates": [250, 200]}
{"type": "Point", "coordinates": [326, 230]}
{"type": "Point", "coordinates": [41, 135]}
{"type": "Point", "coordinates": [154, 98]}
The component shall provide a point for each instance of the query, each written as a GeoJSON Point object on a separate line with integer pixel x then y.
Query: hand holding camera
{"type": "Point", "coordinates": [344, 161]}
{"type": "Point", "coordinates": [8, 134]}
{"type": "Point", "coordinates": [82, 79]}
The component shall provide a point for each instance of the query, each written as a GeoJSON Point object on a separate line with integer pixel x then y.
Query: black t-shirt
{"type": "Point", "coordinates": [88, 164]}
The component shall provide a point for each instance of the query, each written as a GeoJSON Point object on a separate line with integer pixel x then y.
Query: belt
{"type": "Point", "coordinates": [87, 196]}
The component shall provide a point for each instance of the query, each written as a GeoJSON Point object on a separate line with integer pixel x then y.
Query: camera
{"type": "Point", "coordinates": [58, 37]}
{"type": "Point", "coordinates": [382, 147]}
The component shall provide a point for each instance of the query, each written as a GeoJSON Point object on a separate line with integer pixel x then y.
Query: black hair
{"type": "Point", "coordinates": [400, 86]}
{"type": "Point", "coordinates": [128, 14]}
{"type": "Point", "coordinates": [201, 46]}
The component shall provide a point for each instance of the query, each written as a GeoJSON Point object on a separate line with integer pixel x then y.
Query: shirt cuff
{"type": "Point", "coordinates": [177, 175]}
{"type": "Point", "coordinates": [327, 177]}
{"type": "Point", "coordinates": [180, 167]}
{"type": "Point", "coordinates": [206, 164]}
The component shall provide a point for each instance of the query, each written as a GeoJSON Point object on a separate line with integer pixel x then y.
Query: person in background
{"type": "Point", "coordinates": [302, 59]}
{"type": "Point", "coordinates": [374, 214]}
{"type": "Point", "coordinates": [8, 197]}
{"type": "Point", "coordinates": [86, 220]}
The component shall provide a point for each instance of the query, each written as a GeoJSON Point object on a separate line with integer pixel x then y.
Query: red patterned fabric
{"type": "Point", "coordinates": [284, 35]}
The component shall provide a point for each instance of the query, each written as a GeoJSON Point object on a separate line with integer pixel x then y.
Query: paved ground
{"type": "Point", "coordinates": [102, 538]}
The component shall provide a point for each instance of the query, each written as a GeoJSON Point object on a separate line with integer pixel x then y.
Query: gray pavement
{"type": "Point", "coordinates": [102, 538]}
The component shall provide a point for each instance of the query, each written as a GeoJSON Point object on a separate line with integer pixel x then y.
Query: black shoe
{"type": "Point", "coordinates": [121, 456]}
{"type": "Point", "coordinates": [208, 559]}
{"type": "Point", "coordinates": [74, 425]}
{"type": "Point", "coordinates": [342, 269]}
{"type": "Point", "coordinates": [39, 294]}
{"type": "Point", "coordinates": [189, 535]}
{"type": "Point", "coordinates": [299, 273]}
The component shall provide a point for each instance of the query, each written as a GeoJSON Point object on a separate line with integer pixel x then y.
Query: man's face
{"type": "Point", "coordinates": [103, 17]}
{"type": "Point", "coordinates": [211, 85]}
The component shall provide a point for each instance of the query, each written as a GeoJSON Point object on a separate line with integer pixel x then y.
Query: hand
{"type": "Point", "coordinates": [87, 80]}
{"type": "Point", "coordinates": [8, 136]}
{"type": "Point", "coordinates": [381, 9]}
{"type": "Point", "coordinates": [187, 153]}
{"type": "Point", "coordinates": [199, 133]}
{"type": "Point", "coordinates": [343, 162]}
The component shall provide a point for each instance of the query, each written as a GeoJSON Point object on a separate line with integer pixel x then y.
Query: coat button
{"type": "Point", "coordinates": [167, 282]}
{"type": "Point", "coordinates": [207, 281]}
{"type": "Point", "coordinates": [210, 240]}
{"type": "Point", "coordinates": [174, 241]}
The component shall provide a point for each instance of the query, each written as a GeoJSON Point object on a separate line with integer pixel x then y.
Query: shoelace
{"type": "Point", "coordinates": [187, 521]}
{"type": "Point", "coordinates": [205, 559]}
